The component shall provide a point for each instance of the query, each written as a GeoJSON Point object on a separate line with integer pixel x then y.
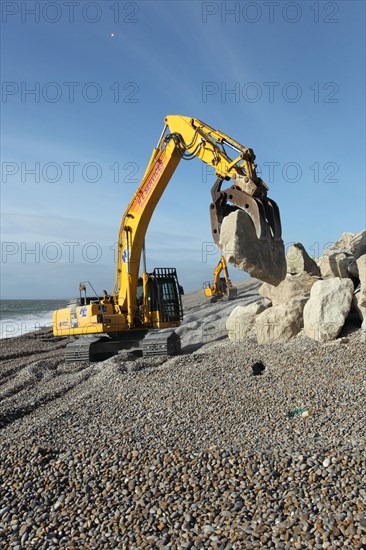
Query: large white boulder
{"type": "Point", "coordinates": [326, 311]}
{"type": "Point", "coordinates": [361, 267]}
{"type": "Point", "coordinates": [339, 259]}
{"type": "Point", "coordinates": [298, 260]}
{"type": "Point", "coordinates": [361, 245]}
{"type": "Point", "coordinates": [240, 323]}
{"type": "Point", "coordinates": [335, 265]}
{"type": "Point", "coordinates": [360, 306]}
{"type": "Point", "coordinates": [263, 259]}
{"type": "Point", "coordinates": [359, 298]}
{"type": "Point", "coordinates": [359, 252]}
{"type": "Point", "coordinates": [292, 286]}
{"type": "Point", "coordinates": [280, 323]}
{"type": "Point", "coordinates": [348, 242]}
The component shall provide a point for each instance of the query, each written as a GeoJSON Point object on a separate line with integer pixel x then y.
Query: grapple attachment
{"type": "Point", "coordinates": [246, 226]}
{"type": "Point", "coordinates": [232, 292]}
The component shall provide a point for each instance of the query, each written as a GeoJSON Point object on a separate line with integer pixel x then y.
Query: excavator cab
{"type": "Point", "coordinates": [164, 296]}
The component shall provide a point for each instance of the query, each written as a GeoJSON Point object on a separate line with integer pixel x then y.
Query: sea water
{"type": "Point", "coordinates": [17, 317]}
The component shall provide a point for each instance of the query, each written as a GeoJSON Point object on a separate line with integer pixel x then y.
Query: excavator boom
{"type": "Point", "coordinates": [185, 138]}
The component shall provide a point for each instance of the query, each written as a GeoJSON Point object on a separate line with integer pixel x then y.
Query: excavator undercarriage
{"type": "Point", "coordinates": [164, 300]}
{"type": "Point", "coordinates": [137, 343]}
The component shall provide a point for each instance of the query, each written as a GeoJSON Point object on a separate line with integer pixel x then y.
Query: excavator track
{"type": "Point", "coordinates": [161, 343]}
{"type": "Point", "coordinates": [92, 349]}
{"type": "Point", "coordinates": [86, 349]}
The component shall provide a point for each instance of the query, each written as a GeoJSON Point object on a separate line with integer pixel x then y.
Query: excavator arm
{"type": "Point", "coordinates": [221, 268]}
{"type": "Point", "coordinates": [186, 138]}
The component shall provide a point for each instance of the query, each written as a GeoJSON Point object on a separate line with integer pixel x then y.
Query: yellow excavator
{"type": "Point", "coordinates": [221, 286]}
{"type": "Point", "coordinates": [143, 309]}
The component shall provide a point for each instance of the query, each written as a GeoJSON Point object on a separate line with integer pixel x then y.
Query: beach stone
{"type": "Point", "coordinates": [240, 323]}
{"type": "Point", "coordinates": [148, 459]}
{"type": "Point", "coordinates": [298, 260]}
{"type": "Point", "coordinates": [328, 306]}
{"type": "Point", "coordinates": [291, 287]}
{"type": "Point", "coordinates": [263, 259]}
{"type": "Point", "coordinates": [281, 322]}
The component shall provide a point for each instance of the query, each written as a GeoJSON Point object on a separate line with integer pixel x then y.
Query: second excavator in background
{"type": "Point", "coordinates": [222, 286]}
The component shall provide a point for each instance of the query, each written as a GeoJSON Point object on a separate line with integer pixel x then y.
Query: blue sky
{"type": "Point", "coordinates": [286, 79]}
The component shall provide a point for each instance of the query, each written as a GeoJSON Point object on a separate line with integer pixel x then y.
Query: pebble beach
{"type": "Point", "coordinates": [191, 451]}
